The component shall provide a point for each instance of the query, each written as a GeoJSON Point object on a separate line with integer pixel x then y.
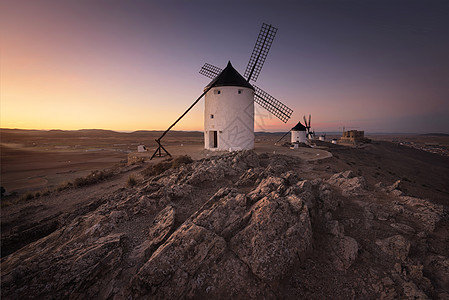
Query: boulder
{"type": "Point", "coordinates": [395, 246]}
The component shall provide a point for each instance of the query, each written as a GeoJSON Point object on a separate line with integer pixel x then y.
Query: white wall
{"type": "Point", "coordinates": [233, 118]}
{"type": "Point", "coordinates": [298, 136]}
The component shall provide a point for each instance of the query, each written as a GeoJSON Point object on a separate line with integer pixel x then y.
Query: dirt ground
{"type": "Point", "coordinates": [33, 160]}
{"type": "Point", "coordinates": [38, 160]}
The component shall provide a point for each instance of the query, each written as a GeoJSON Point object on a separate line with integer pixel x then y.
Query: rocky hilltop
{"type": "Point", "coordinates": [238, 226]}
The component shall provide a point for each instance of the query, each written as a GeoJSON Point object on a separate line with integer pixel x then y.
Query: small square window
{"type": "Point", "coordinates": [211, 116]}
{"type": "Point", "coordinates": [217, 92]}
{"type": "Point", "coordinates": [240, 91]}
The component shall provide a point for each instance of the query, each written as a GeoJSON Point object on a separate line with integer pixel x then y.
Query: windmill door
{"type": "Point", "coordinates": [213, 139]}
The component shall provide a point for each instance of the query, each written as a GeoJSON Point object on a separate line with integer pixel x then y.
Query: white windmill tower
{"type": "Point", "coordinates": [299, 133]}
{"type": "Point", "coordinates": [229, 112]}
{"type": "Point", "coordinates": [229, 103]}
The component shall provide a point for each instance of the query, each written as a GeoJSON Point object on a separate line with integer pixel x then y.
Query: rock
{"type": "Point", "coordinates": [277, 165]}
{"type": "Point", "coordinates": [385, 289]}
{"type": "Point", "coordinates": [246, 159]}
{"type": "Point", "coordinates": [437, 268]}
{"type": "Point", "coordinates": [348, 183]}
{"type": "Point", "coordinates": [397, 193]}
{"type": "Point", "coordinates": [162, 225]}
{"type": "Point", "coordinates": [276, 235]}
{"type": "Point", "coordinates": [396, 246]}
{"type": "Point", "coordinates": [56, 271]}
{"type": "Point", "coordinates": [290, 178]}
{"type": "Point", "coordinates": [326, 198]}
{"type": "Point", "coordinates": [403, 228]}
{"type": "Point", "coordinates": [266, 186]}
{"type": "Point", "coordinates": [158, 232]}
{"type": "Point", "coordinates": [249, 177]}
{"type": "Point", "coordinates": [395, 188]}
{"type": "Point", "coordinates": [118, 216]}
{"type": "Point", "coordinates": [411, 291]}
{"type": "Point", "coordinates": [169, 273]}
{"type": "Point", "coordinates": [226, 216]}
{"type": "Point", "coordinates": [380, 186]}
{"type": "Point", "coordinates": [228, 278]}
{"type": "Point", "coordinates": [305, 190]}
{"type": "Point", "coordinates": [420, 209]}
{"type": "Point", "coordinates": [335, 228]}
{"type": "Point", "coordinates": [179, 191]}
{"type": "Point", "coordinates": [345, 249]}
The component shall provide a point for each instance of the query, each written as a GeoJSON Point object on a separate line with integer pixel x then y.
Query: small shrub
{"type": "Point", "coordinates": [157, 169]}
{"type": "Point", "coordinates": [92, 178]}
{"type": "Point", "coordinates": [46, 192]}
{"type": "Point", "coordinates": [28, 196]}
{"type": "Point", "coordinates": [6, 203]}
{"type": "Point", "coordinates": [181, 160]}
{"type": "Point", "coordinates": [64, 186]}
{"type": "Point", "coordinates": [132, 181]}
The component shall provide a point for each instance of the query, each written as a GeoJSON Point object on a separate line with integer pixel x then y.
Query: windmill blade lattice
{"type": "Point", "coordinates": [210, 71]}
{"type": "Point", "coordinates": [274, 106]}
{"type": "Point", "coordinates": [260, 51]}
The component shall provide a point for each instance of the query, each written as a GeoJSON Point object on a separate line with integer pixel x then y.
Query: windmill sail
{"type": "Point", "coordinates": [260, 51]}
{"type": "Point", "coordinates": [210, 71]}
{"type": "Point", "coordinates": [274, 106]}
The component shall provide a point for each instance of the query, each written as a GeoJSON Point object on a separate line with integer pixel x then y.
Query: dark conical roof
{"type": "Point", "coordinates": [229, 77]}
{"type": "Point", "coordinates": [299, 127]}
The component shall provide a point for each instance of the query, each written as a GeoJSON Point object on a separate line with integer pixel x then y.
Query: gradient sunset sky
{"type": "Point", "coordinates": [379, 66]}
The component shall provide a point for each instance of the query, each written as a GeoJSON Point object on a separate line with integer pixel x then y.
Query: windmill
{"type": "Point", "coordinates": [229, 101]}
{"type": "Point", "coordinates": [298, 134]}
{"type": "Point", "coordinates": [310, 132]}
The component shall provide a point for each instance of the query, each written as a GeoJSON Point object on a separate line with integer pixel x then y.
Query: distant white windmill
{"type": "Point", "coordinates": [299, 133]}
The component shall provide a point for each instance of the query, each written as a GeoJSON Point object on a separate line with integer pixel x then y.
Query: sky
{"type": "Point", "coordinates": [378, 66]}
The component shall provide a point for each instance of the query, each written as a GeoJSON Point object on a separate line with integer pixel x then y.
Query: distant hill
{"type": "Point", "coordinates": [435, 134]}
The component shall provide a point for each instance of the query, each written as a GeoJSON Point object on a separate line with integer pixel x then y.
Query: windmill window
{"type": "Point", "coordinates": [217, 92]}
{"type": "Point", "coordinates": [240, 91]}
{"type": "Point", "coordinates": [212, 116]}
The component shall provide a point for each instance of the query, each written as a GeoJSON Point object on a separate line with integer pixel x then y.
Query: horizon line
{"type": "Point", "coordinates": [268, 132]}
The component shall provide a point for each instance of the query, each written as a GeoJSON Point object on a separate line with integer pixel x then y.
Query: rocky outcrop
{"type": "Point", "coordinates": [261, 241]}
{"type": "Point", "coordinates": [243, 226]}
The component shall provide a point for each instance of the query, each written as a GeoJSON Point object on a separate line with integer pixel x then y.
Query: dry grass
{"type": "Point", "coordinates": [181, 160]}
{"type": "Point", "coordinates": [163, 166]}
{"type": "Point", "coordinates": [94, 177]}
{"type": "Point", "coordinates": [64, 186]}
